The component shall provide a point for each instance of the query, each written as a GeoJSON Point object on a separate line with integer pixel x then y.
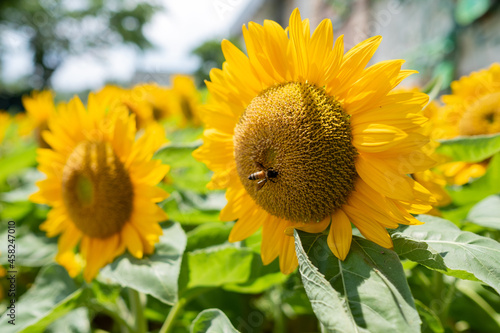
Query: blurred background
{"type": "Point", "coordinates": [73, 46]}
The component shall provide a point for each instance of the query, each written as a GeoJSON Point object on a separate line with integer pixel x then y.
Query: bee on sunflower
{"type": "Point", "coordinates": [340, 144]}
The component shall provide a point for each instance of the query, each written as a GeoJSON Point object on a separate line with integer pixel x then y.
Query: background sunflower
{"type": "Point", "coordinates": [101, 185]}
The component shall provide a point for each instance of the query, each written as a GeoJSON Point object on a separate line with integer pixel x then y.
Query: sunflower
{"type": "Point", "coordinates": [101, 185]}
{"type": "Point", "coordinates": [304, 137]}
{"type": "Point", "coordinates": [473, 108]}
{"type": "Point", "coordinates": [149, 102]}
{"type": "Point", "coordinates": [39, 108]}
{"type": "Point", "coordinates": [431, 179]}
{"type": "Point", "coordinates": [186, 100]}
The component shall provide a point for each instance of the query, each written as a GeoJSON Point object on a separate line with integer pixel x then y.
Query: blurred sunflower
{"type": "Point", "coordinates": [303, 136]}
{"type": "Point", "coordinates": [186, 100]}
{"type": "Point", "coordinates": [431, 179]}
{"type": "Point", "coordinates": [5, 121]}
{"type": "Point", "coordinates": [101, 185]}
{"type": "Point", "coordinates": [39, 108]}
{"type": "Point", "coordinates": [473, 108]}
{"type": "Point", "coordinates": [149, 102]}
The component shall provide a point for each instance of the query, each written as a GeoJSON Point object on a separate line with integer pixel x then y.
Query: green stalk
{"type": "Point", "coordinates": [176, 309]}
{"type": "Point", "coordinates": [137, 307]}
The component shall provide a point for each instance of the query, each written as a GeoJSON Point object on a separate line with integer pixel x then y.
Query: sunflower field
{"type": "Point", "coordinates": [302, 188]}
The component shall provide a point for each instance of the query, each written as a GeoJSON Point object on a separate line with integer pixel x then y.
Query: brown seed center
{"type": "Point", "coordinates": [294, 154]}
{"type": "Point", "coordinates": [97, 190]}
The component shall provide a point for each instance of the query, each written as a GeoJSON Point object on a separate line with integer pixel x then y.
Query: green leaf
{"type": "Point", "coordinates": [481, 188]}
{"type": "Point", "coordinates": [53, 295]}
{"type": "Point", "coordinates": [467, 11]}
{"type": "Point", "coordinates": [366, 292]}
{"type": "Point", "coordinates": [188, 173]}
{"type": "Point", "coordinates": [208, 234]}
{"type": "Point", "coordinates": [486, 213]}
{"type": "Point", "coordinates": [212, 320]}
{"type": "Point", "coordinates": [156, 274]}
{"type": "Point", "coordinates": [76, 321]}
{"type": "Point", "coordinates": [32, 249]}
{"type": "Point", "coordinates": [470, 148]}
{"type": "Point", "coordinates": [187, 207]}
{"type": "Point", "coordinates": [218, 265]}
{"type": "Point", "coordinates": [431, 322]}
{"type": "Point", "coordinates": [442, 246]}
{"type": "Point", "coordinates": [17, 162]}
{"type": "Point", "coordinates": [261, 277]}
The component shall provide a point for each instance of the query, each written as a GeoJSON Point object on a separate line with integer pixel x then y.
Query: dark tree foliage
{"type": "Point", "coordinates": [210, 54]}
{"type": "Point", "coordinates": [58, 28]}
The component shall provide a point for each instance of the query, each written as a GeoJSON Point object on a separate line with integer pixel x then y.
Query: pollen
{"type": "Point", "coordinates": [97, 190]}
{"type": "Point", "coordinates": [301, 133]}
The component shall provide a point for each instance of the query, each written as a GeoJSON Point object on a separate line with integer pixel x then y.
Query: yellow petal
{"type": "Point", "coordinates": [288, 257]}
{"type": "Point", "coordinates": [340, 234]}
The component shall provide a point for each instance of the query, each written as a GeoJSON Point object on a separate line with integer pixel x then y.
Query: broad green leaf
{"type": "Point", "coordinates": [261, 277]}
{"type": "Point", "coordinates": [218, 265]}
{"type": "Point", "coordinates": [15, 210]}
{"type": "Point", "coordinates": [470, 148]}
{"type": "Point", "coordinates": [17, 162]}
{"type": "Point", "coordinates": [487, 212]}
{"type": "Point", "coordinates": [442, 246]}
{"type": "Point", "coordinates": [467, 11]}
{"type": "Point", "coordinates": [188, 173]}
{"type": "Point", "coordinates": [211, 321]}
{"type": "Point", "coordinates": [208, 234]}
{"type": "Point", "coordinates": [189, 208]}
{"type": "Point", "coordinates": [53, 295]}
{"type": "Point", "coordinates": [156, 274]}
{"type": "Point", "coordinates": [32, 249]}
{"type": "Point", "coordinates": [76, 321]}
{"type": "Point", "coordinates": [367, 292]}
{"type": "Point", "coordinates": [430, 321]}
{"type": "Point", "coordinates": [481, 188]}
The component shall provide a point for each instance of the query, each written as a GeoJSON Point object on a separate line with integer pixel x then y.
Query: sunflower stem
{"type": "Point", "coordinates": [176, 309]}
{"type": "Point", "coordinates": [137, 307]}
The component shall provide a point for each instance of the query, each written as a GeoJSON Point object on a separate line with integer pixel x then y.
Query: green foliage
{"type": "Point", "coordinates": [480, 188]}
{"type": "Point", "coordinates": [211, 56]}
{"type": "Point", "coordinates": [440, 245]}
{"type": "Point", "coordinates": [486, 213]}
{"type": "Point", "coordinates": [156, 274]}
{"type": "Point", "coordinates": [54, 295]}
{"type": "Point", "coordinates": [470, 149]}
{"type": "Point", "coordinates": [212, 320]}
{"type": "Point", "coordinates": [467, 11]}
{"type": "Point", "coordinates": [346, 295]}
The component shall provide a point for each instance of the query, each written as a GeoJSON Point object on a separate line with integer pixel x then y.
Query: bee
{"type": "Point", "coordinates": [264, 175]}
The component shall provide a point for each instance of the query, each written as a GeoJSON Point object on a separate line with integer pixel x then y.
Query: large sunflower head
{"type": "Point", "coordinates": [101, 185]}
{"type": "Point", "coordinates": [473, 108]}
{"type": "Point", "coordinates": [39, 108]}
{"type": "Point", "coordinates": [304, 136]}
